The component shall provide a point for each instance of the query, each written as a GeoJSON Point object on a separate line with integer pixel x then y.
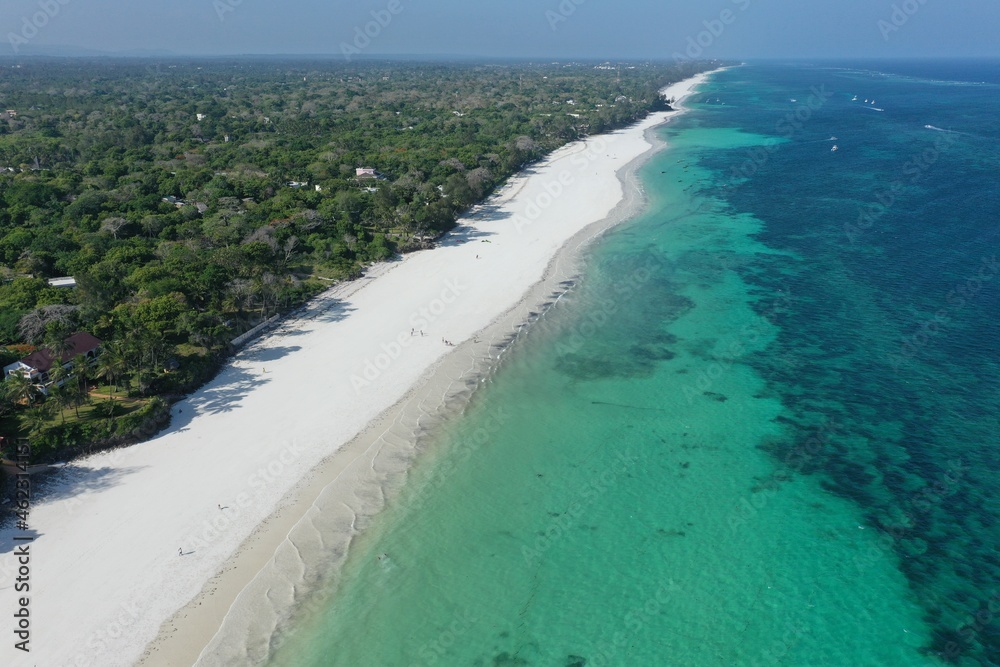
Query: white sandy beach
{"type": "Point", "coordinates": [105, 568]}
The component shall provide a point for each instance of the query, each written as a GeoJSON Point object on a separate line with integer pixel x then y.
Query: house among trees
{"type": "Point", "coordinates": [364, 173]}
{"type": "Point", "coordinates": [66, 283]}
{"type": "Point", "coordinates": [36, 366]}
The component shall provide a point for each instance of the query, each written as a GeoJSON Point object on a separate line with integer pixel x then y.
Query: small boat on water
{"type": "Point", "coordinates": [835, 149]}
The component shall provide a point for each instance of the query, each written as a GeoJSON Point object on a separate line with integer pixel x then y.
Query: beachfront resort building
{"type": "Point", "coordinates": [36, 366]}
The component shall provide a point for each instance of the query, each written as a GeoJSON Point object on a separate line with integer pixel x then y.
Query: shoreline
{"type": "Point", "coordinates": [563, 267]}
{"type": "Point", "coordinates": [264, 532]}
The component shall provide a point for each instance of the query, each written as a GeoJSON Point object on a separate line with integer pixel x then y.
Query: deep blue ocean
{"type": "Point", "coordinates": [764, 427]}
{"type": "Point", "coordinates": [892, 328]}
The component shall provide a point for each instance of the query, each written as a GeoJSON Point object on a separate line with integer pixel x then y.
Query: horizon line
{"type": "Point", "coordinates": [469, 57]}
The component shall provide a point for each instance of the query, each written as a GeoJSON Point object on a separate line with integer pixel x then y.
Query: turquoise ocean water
{"type": "Point", "coordinates": [762, 430]}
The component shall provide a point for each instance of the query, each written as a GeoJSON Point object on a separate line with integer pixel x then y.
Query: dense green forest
{"type": "Point", "coordinates": [191, 200]}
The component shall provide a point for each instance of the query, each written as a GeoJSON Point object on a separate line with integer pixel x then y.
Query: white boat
{"type": "Point", "coordinates": [835, 149]}
{"type": "Point", "coordinates": [855, 99]}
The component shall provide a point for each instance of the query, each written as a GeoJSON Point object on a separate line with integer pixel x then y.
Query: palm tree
{"type": "Point", "coordinates": [132, 352]}
{"type": "Point", "coordinates": [134, 355]}
{"type": "Point", "coordinates": [60, 390]}
{"type": "Point", "coordinates": [110, 365]}
{"type": "Point", "coordinates": [149, 347]}
{"type": "Point", "coordinates": [57, 345]}
{"type": "Point", "coordinates": [157, 346]}
{"type": "Point", "coordinates": [76, 392]}
{"type": "Point", "coordinates": [62, 397]}
{"type": "Point", "coordinates": [82, 370]}
{"type": "Point", "coordinates": [37, 418]}
{"type": "Point", "coordinates": [58, 374]}
{"type": "Point", "coordinates": [20, 389]}
{"type": "Point", "coordinates": [79, 397]}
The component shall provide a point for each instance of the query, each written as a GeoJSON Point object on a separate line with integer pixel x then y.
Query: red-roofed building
{"type": "Point", "coordinates": [36, 366]}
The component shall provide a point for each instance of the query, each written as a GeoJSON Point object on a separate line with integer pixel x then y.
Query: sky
{"type": "Point", "coordinates": [612, 29]}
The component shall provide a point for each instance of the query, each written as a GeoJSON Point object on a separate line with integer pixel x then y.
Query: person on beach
{"type": "Point", "coordinates": [180, 551]}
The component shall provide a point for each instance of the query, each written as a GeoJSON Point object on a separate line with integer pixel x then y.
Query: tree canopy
{"type": "Point", "coordinates": [191, 200]}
